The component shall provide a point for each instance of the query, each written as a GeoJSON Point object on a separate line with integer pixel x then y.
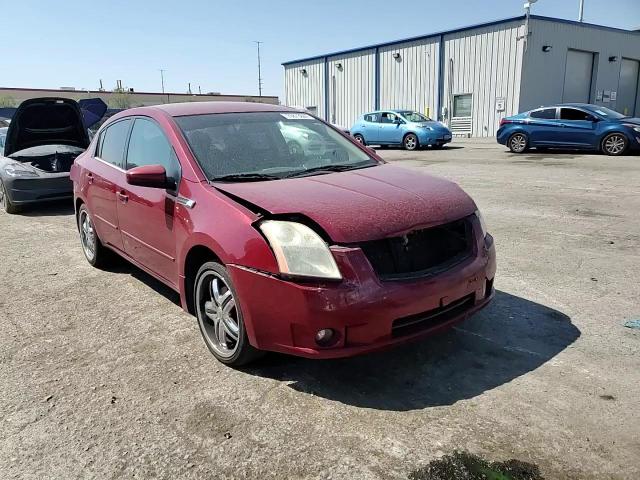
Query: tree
{"type": "Point", "coordinates": [119, 99]}
{"type": "Point", "coordinates": [7, 101]}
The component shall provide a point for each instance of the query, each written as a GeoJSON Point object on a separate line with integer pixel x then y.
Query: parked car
{"type": "Point", "coordinates": [577, 126]}
{"type": "Point", "coordinates": [321, 256]}
{"type": "Point", "coordinates": [3, 136]}
{"type": "Point", "coordinates": [410, 129]}
{"type": "Point", "coordinates": [41, 143]}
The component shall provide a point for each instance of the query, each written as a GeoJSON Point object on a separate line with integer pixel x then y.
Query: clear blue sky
{"type": "Point", "coordinates": [210, 43]}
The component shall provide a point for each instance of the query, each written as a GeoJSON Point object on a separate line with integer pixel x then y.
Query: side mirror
{"type": "Point", "coordinates": [152, 176]}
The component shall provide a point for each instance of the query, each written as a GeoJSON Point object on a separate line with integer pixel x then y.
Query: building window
{"type": "Point", "coordinates": [462, 105]}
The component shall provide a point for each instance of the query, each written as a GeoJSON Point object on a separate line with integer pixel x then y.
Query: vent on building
{"type": "Point", "coordinates": [461, 126]}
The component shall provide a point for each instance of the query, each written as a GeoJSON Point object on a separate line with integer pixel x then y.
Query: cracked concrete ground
{"type": "Point", "coordinates": [103, 375]}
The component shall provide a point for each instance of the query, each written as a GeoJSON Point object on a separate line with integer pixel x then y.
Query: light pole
{"type": "Point", "coordinates": [259, 72]}
{"type": "Point", "coordinates": [581, 11]}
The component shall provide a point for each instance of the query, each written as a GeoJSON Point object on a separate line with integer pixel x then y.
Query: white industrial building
{"type": "Point", "coordinates": [472, 77]}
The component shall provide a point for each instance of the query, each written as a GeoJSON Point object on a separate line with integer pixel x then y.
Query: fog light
{"type": "Point", "coordinates": [325, 336]}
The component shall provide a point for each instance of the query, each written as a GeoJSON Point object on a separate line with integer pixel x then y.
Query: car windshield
{"type": "Point", "coordinates": [608, 113]}
{"type": "Point", "coordinates": [268, 146]}
{"type": "Point", "coordinates": [414, 116]}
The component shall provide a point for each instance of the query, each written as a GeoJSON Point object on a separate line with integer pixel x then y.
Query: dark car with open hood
{"type": "Point", "coordinates": [322, 250]}
{"type": "Point", "coordinates": [42, 141]}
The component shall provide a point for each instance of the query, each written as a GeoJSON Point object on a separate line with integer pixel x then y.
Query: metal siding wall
{"type": "Point", "coordinates": [355, 86]}
{"type": "Point", "coordinates": [305, 91]}
{"type": "Point", "coordinates": [412, 81]}
{"type": "Point", "coordinates": [543, 73]}
{"type": "Point", "coordinates": [487, 63]}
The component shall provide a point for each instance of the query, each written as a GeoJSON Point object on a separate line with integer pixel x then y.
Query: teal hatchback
{"type": "Point", "coordinates": [407, 128]}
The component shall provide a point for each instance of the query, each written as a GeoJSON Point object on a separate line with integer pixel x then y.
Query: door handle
{"type": "Point", "coordinates": [563, 125]}
{"type": "Point", "coordinates": [89, 178]}
{"type": "Point", "coordinates": [124, 198]}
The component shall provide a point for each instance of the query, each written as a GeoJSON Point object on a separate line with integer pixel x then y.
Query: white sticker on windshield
{"type": "Point", "coordinates": [297, 116]}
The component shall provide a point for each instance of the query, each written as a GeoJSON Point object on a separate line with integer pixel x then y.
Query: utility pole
{"type": "Point", "coordinates": [581, 13]}
{"type": "Point", "coordinates": [162, 78]}
{"type": "Point", "coordinates": [259, 72]}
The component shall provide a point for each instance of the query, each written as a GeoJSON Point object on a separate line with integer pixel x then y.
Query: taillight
{"type": "Point", "coordinates": [504, 121]}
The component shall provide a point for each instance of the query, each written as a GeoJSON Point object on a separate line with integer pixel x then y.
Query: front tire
{"type": "Point", "coordinates": [5, 202]}
{"type": "Point", "coordinates": [220, 317]}
{"type": "Point", "coordinates": [614, 144]}
{"type": "Point", "coordinates": [95, 253]}
{"type": "Point", "coordinates": [518, 143]}
{"type": "Point", "coordinates": [410, 142]}
{"type": "Point", "coordinates": [359, 138]}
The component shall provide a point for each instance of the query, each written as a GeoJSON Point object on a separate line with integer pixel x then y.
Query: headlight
{"type": "Point", "coordinates": [299, 250]}
{"type": "Point", "coordinates": [483, 226]}
{"type": "Point", "coordinates": [635, 128]}
{"type": "Point", "coordinates": [19, 170]}
{"type": "Point", "coordinates": [426, 127]}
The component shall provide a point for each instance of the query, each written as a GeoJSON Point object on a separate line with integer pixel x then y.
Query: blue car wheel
{"type": "Point", "coordinates": [359, 138]}
{"type": "Point", "coordinates": [614, 144]}
{"type": "Point", "coordinates": [518, 142]}
{"type": "Point", "coordinates": [410, 141]}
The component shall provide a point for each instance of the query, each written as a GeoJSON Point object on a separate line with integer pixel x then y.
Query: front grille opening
{"type": "Point", "coordinates": [431, 318]}
{"type": "Point", "coordinates": [422, 252]}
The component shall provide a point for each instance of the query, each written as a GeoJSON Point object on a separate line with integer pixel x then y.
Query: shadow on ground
{"type": "Point", "coordinates": [421, 149]}
{"type": "Point", "coordinates": [50, 209]}
{"type": "Point", "coordinates": [509, 338]}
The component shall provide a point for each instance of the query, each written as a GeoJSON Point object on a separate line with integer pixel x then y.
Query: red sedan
{"type": "Point", "coordinates": [279, 232]}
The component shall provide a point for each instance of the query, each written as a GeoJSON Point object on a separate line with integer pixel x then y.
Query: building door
{"type": "Point", "coordinates": [628, 87]}
{"type": "Point", "coordinates": [577, 77]}
{"type": "Point", "coordinates": [462, 114]}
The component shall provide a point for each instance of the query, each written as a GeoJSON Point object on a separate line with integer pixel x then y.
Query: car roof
{"type": "Point", "coordinates": [586, 106]}
{"type": "Point", "coordinates": [204, 108]}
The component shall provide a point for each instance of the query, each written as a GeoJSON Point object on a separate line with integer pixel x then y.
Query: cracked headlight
{"type": "Point", "coordinates": [19, 170]}
{"type": "Point", "coordinates": [299, 250]}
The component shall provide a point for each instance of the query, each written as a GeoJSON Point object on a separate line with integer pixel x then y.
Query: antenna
{"type": "Point", "coordinates": [259, 72]}
{"type": "Point", "coordinates": [162, 77]}
{"type": "Point", "coordinates": [581, 11]}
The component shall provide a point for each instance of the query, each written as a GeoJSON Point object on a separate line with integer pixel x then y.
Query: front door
{"type": "Point", "coordinates": [104, 175]}
{"type": "Point", "coordinates": [577, 128]}
{"type": "Point", "coordinates": [147, 214]}
{"type": "Point", "coordinates": [390, 131]}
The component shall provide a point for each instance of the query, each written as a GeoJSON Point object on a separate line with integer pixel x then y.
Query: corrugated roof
{"type": "Point", "coordinates": [455, 30]}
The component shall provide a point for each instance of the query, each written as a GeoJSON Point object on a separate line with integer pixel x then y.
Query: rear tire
{"type": "Point", "coordinates": [96, 254]}
{"type": "Point", "coordinates": [220, 318]}
{"type": "Point", "coordinates": [359, 138]}
{"type": "Point", "coordinates": [518, 143]}
{"type": "Point", "coordinates": [5, 203]}
{"type": "Point", "coordinates": [410, 142]}
{"type": "Point", "coordinates": [614, 144]}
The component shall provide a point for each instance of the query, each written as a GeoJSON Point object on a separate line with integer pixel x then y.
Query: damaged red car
{"type": "Point", "coordinates": [279, 232]}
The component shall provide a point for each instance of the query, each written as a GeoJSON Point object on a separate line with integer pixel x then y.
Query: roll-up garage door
{"type": "Point", "coordinates": [577, 76]}
{"type": "Point", "coordinates": [628, 88]}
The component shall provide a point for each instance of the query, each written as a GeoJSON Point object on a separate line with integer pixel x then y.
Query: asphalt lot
{"type": "Point", "coordinates": [104, 376]}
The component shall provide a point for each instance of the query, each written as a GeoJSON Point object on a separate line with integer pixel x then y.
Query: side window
{"type": "Point", "coordinates": [388, 117]}
{"type": "Point", "coordinates": [149, 146]}
{"type": "Point", "coordinates": [371, 117]}
{"type": "Point", "coordinates": [547, 113]}
{"type": "Point", "coordinates": [573, 114]}
{"type": "Point", "coordinates": [112, 143]}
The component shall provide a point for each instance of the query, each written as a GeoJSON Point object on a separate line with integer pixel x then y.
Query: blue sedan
{"type": "Point", "coordinates": [410, 129]}
{"type": "Point", "coordinates": [577, 126]}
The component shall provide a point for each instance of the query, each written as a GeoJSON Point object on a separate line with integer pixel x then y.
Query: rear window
{"type": "Point", "coordinates": [112, 142]}
{"type": "Point", "coordinates": [548, 113]}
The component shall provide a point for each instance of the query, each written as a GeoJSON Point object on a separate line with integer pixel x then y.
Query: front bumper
{"type": "Point", "coordinates": [434, 137]}
{"type": "Point", "coordinates": [25, 190]}
{"type": "Point", "coordinates": [365, 312]}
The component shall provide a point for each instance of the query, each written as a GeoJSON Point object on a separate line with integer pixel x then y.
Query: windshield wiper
{"type": "Point", "coordinates": [245, 177]}
{"type": "Point", "coordinates": [328, 169]}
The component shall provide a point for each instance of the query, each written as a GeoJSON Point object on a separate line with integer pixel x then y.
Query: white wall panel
{"type": "Point", "coordinates": [352, 92]}
{"type": "Point", "coordinates": [305, 90]}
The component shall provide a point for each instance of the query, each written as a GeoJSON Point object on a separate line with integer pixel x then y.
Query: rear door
{"type": "Point", "coordinates": [147, 215]}
{"type": "Point", "coordinates": [542, 126]}
{"type": "Point", "coordinates": [104, 174]}
{"type": "Point", "coordinates": [371, 131]}
{"type": "Point", "coordinates": [578, 128]}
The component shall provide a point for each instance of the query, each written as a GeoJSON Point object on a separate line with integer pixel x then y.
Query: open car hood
{"type": "Point", "coordinates": [47, 121]}
{"type": "Point", "coordinates": [360, 205]}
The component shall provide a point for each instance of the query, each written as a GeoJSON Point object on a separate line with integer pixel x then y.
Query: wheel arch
{"type": "Point", "coordinates": [197, 255]}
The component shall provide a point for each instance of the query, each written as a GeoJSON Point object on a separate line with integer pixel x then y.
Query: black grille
{"type": "Point", "coordinates": [422, 252]}
{"type": "Point", "coordinates": [432, 318]}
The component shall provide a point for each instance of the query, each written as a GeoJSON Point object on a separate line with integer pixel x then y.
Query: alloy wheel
{"type": "Point", "coordinates": [87, 235]}
{"type": "Point", "coordinates": [518, 143]}
{"type": "Point", "coordinates": [615, 144]}
{"type": "Point", "coordinates": [359, 139]}
{"type": "Point", "coordinates": [410, 142]}
{"type": "Point", "coordinates": [217, 314]}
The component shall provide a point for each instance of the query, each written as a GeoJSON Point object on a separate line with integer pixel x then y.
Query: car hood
{"type": "Point", "coordinates": [360, 205]}
{"type": "Point", "coordinates": [635, 121]}
{"type": "Point", "coordinates": [434, 125]}
{"type": "Point", "coordinates": [46, 121]}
